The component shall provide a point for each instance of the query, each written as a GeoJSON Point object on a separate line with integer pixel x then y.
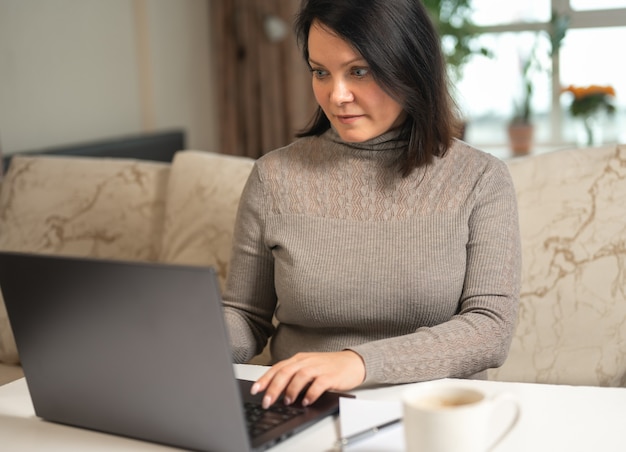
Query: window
{"type": "Point", "coordinates": [497, 12]}
{"type": "Point", "coordinates": [490, 88]}
{"type": "Point", "coordinates": [585, 5]}
{"type": "Point", "coordinates": [589, 57]}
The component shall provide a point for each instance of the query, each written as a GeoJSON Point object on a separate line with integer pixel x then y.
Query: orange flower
{"type": "Point", "coordinates": [583, 91]}
{"type": "Point", "coordinates": [590, 99]}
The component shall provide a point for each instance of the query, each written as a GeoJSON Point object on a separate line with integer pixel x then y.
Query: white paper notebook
{"type": "Point", "coordinates": [357, 415]}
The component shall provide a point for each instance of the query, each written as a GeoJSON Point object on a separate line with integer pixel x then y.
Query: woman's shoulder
{"type": "Point", "coordinates": [300, 154]}
{"type": "Point", "coordinates": [295, 149]}
{"type": "Point", "coordinates": [466, 169]}
{"type": "Point", "coordinates": [464, 155]}
{"type": "Point", "coordinates": [465, 151]}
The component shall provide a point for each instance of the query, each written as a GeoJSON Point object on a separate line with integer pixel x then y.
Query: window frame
{"type": "Point", "coordinates": [578, 19]}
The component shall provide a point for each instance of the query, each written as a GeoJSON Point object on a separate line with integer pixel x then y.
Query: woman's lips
{"type": "Point", "coordinates": [348, 119]}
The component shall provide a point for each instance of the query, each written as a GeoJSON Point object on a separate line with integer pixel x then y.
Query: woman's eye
{"type": "Point", "coordinates": [318, 73]}
{"type": "Point", "coordinates": [360, 72]}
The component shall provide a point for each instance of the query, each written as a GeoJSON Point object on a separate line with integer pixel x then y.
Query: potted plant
{"type": "Point", "coordinates": [587, 103]}
{"type": "Point", "coordinates": [521, 128]}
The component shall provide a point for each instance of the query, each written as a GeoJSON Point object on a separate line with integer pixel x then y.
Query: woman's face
{"type": "Point", "coordinates": [345, 89]}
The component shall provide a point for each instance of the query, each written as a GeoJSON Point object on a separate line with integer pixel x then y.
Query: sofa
{"type": "Point", "coordinates": [119, 208]}
{"type": "Point", "coordinates": [572, 204]}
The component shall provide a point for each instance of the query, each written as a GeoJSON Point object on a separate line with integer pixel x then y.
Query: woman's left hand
{"type": "Point", "coordinates": [338, 371]}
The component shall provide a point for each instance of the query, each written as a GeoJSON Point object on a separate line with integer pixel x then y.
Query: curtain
{"type": "Point", "coordinates": [263, 84]}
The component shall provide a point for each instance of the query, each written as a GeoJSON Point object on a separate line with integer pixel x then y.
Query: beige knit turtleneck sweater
{"type": "Point", "coordinates": [419, 275]}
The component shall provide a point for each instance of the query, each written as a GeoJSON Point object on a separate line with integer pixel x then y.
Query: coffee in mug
{"type": "Point", "coordinates": [452, 417]}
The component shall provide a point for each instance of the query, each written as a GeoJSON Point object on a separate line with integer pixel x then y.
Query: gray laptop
{"type": "Point", "coordinates": [138, 350]}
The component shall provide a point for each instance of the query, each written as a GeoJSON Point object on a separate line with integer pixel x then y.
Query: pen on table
{"type": "Point", "coordinates": [346, 440]}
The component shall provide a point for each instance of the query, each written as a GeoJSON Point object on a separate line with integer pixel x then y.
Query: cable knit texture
{"type": "Point", "coordinates": [419, 275]}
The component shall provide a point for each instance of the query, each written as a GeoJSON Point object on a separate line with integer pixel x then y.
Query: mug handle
{"type": "Point", "coordinates": [503, 398]}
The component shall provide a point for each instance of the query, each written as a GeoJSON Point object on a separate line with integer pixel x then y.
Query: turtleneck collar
{"type": "Point", "coordinates": [387, 141]}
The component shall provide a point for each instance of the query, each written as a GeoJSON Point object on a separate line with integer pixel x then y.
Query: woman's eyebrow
{"type": "Point", "coordinates": [347, 63]}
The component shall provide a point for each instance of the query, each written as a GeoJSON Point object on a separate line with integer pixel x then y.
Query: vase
{"type": "Point", "coordinates": [520, 138]}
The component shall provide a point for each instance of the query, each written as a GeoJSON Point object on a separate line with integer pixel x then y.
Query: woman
{"type": "Point", "coordinates": [387, 251]}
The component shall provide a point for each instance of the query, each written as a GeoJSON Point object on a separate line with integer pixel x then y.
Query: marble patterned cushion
{"type": "Point", "coordinates": [69, 205]}
{"type": "Point", "coordinates": [572, 320]}
{"type": "Point", "coordinates": [202, 200]}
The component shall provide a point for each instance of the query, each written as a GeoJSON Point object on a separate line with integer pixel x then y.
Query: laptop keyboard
{"type": "Point", "coordinates": [260, 420]}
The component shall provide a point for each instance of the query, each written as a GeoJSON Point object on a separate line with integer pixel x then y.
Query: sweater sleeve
{"type": "Point", "coordinates": [249, 298]}
{"type": "Point", "coordinates": [479, 335]}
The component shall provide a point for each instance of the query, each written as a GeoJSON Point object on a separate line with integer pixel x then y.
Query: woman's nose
{"type": "Point", "coordinates": [341, 93]}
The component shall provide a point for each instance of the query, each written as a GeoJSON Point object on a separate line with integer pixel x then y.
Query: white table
{"type": "Point", "coordinates": [554, 418]}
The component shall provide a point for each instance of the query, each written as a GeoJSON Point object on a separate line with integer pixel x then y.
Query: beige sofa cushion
{"type": "Point", "coordinates": [572, 321]}
{"type": "Point", "coordinates": [9, 373]}
{"type": "Point", "coordinates": [202, 200]}
{"type": "Point", "coordinates": [69, 205]}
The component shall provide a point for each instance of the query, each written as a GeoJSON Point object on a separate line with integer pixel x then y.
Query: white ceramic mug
{"type": "Point", "coordinates": [452, 417]}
